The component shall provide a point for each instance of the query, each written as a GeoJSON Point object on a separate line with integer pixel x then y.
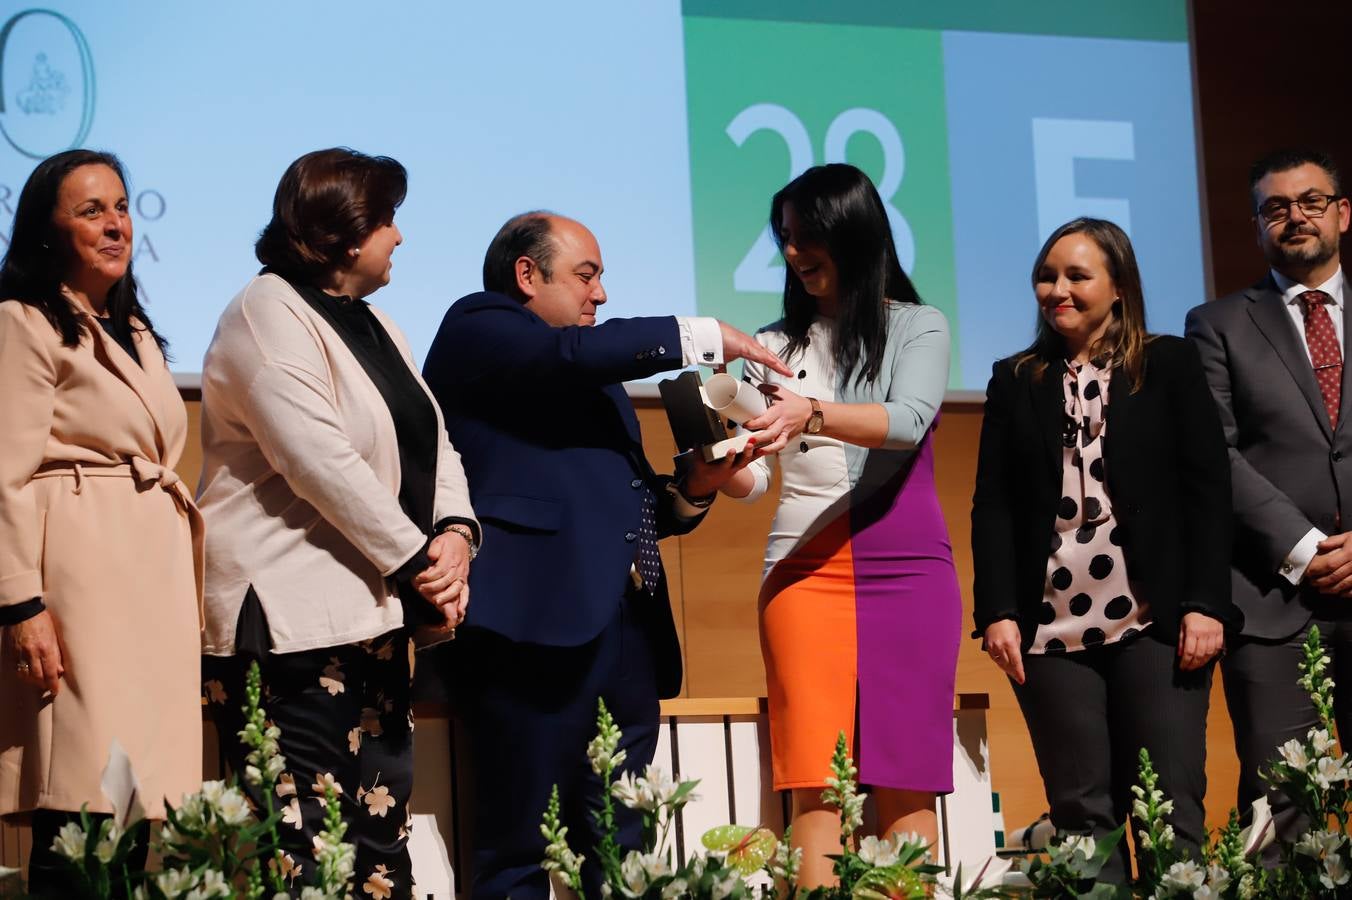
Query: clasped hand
{"type": "Point", "coordinates": [1330, 572]}
{"type": "Point", "coordinates": [445, 583]}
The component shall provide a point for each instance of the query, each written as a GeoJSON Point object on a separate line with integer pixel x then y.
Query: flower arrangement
{"type": "Point", "coordinates": [749, 862]}
{"type": "Point", "coordinates": [214, 844]}
{"type": "Point", "coordinates": [737, 861]}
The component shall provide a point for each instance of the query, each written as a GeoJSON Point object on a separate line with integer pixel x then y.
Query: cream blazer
{"type": "Point", "coordinates": [300, 477]}
{"type": "Point", "coordinates": [94, 520]}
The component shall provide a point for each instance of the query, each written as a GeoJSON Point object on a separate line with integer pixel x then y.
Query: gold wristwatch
{"type": "Point", "coordinates": [814, 421]}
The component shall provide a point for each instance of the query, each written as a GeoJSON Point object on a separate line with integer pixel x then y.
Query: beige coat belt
{"type": "Point", "coordinates": [146, 474]}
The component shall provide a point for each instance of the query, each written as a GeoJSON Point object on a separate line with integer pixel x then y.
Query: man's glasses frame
{"type": "Point", "coordinates": [1312, 205]}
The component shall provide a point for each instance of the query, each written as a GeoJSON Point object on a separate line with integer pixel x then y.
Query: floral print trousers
{"type": "Point", "coordinates": [345, 720]}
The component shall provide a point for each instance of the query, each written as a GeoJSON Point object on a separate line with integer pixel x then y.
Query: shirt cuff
{"type": "Point", "coordinates": [1293, 567]}
{"type": "Point", "coordinates": [683, 508]}
{"type": "Point", "coordinates": [701, 341]}
{"type": "Point", "coordinates": [21, 612]}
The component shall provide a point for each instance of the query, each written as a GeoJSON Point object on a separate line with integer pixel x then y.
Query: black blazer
{"type": "Point", "coordinates": [1168, 479]}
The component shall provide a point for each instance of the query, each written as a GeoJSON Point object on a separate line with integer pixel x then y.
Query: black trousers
{"type": "Point", "coordinates": [1089, 713]}
{"type": "Point", "coordinates": [51, 875]}
{"type": "Point", "coordinates": [1268, 708]}
{"type": "Point", "coordinates": [344, 716]}
{"type": "Point", "coordinates": [529, 712]}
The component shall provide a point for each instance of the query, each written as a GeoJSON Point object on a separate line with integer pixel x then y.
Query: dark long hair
{"type": "Point", "coordinates": [837, 205]}
{"type": "Point", "coordinates": [1124, 341]}
{"type": "Point", "coordinates": [34, 264]}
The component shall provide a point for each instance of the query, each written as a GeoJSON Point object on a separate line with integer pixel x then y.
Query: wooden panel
{"type": "Point", "coordinates": [715, 576]}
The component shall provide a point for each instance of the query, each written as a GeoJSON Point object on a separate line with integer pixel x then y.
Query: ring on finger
{"type": "Point", "coordinates": [23, 668]}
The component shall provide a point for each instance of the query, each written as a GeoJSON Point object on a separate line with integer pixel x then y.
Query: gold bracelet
{"type": "Point", "coordinates": [467, 535]}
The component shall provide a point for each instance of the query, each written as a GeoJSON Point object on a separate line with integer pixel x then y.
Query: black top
{"type": "Point", "coordinates": [1168, 476]}
{"type": "Point", "coordinates": [415, 428]}
{"type": "Point", "coordinates": [124, 340]}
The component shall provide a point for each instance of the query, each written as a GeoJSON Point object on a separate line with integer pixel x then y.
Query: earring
{"type": "Point", "coordinates": [355, 251]}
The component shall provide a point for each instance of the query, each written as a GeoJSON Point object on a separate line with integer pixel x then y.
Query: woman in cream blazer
{"type": "Point", "coordinates": [99, 540]}
{"type": "Point", "coordinates": [339, 518]}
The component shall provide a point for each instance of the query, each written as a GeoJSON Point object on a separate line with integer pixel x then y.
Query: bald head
{"type": "Point", "coordinates": [551, 263]}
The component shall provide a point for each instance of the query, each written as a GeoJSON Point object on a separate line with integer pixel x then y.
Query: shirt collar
{"type": "Point", "coordinates": [1291, 289]}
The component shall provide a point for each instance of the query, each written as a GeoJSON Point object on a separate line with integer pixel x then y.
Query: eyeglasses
{"type": "Point", "coordinates": [1277, 210]}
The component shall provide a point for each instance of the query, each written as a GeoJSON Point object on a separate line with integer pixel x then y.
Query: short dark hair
{"type": "Point", "coordinates": [526, 234]}
{"type": "Point", "coordinates": [1293, 158]}
{"type": "Point", "coordinates": [34, 264]}
{"type": "Point", "coordinates": [328, 202]}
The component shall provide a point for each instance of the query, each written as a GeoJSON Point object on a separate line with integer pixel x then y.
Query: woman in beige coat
{"type": "Point", "coordinates": [99, 541]}
{"type": "Point", "coordinates": [338, 511]}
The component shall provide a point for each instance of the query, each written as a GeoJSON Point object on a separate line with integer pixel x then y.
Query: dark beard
{"type": "Point", "coordinates": [1323, 250]}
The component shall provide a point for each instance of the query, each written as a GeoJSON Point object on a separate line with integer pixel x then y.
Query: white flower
{"type": "Point", "coordinates": [1294, 755]}
{"type": "Point", "coordinates": [724, 886]}
{"type": "Point", "coordinates": [233, 808]}
{"type": "Point", "coordinates": [213, 885]}
{"type": "Point", "coordinates": [1319, 844]}
{"type": "Point", "coordinates": [1323, 741]}
{"type": "Point", "coordinates": [675, 888]}
{"type": "Point", "coordinates": [109, 835]}
{"type": "Point", "coordinates": [192, 811]}
{"type": "Point", "coordinates": [1083, 843]}
{"type": "Point", "coordinates": [176, 882]}
{"type": "Point", "coordinates": [1335, 872]}
{"type": "Point", "coordinates": [1327, 770]}
{"type": "Point", "coordinates": [1217, 878]}
{"type": "Point", "coordinates": [877, 852]}
{"type": "Point", "coordinates": [601, 752]}
{"type": "Point", "coordinates": [640, 869]}
{"type": "Point", "coordinates": [1186, 875]}
{"type": "Point", "coordinates": [1261, 831]}
{"type": "Point", "coordinates": [649, 791]}
{"type": "Point", "coordinates": [212, 791]}
{"type": "Point", "coordinates": [70, 841]}
{"type": "Point", "coordinates": [312, 893]}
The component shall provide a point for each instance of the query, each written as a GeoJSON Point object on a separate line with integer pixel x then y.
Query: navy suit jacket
{"type": "Point", "coordinates": [554, 459]}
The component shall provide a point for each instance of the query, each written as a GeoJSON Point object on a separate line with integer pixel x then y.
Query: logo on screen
{"type": "Point", "coordinates": [46, 83]}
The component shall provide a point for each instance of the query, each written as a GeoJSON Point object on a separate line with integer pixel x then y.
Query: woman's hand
{"type": "Point", "coordinates": [445, 583]}
{"type": "Point", "coordinates": [1003, 643]}
{"type": "Point", "coordinates": [787, 415]}
{"type": "Point", "coordinates": [37, 646]}
{"type": "Point", "coordinates": [1200, 638]}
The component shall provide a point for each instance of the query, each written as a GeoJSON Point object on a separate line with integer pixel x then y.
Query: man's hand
{"type": "Point", "coordinates": [37, 646]}
{"type": "Point", "coordinates": [1003, 643]}
{"type": "Point", "coordinates": [1200, 638]}
{"type": "Point", "coordinates": [737, 345]}
{"type": "Point", "coordinates": [1330, 572]}
{"type": "Point", "coordinates": [705, 478]}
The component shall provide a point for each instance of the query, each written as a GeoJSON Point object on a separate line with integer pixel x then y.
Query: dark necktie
{"type": "Point", "coordinates": [1325, 353]}
{"type": "Point", "coordinates": [649, 560]}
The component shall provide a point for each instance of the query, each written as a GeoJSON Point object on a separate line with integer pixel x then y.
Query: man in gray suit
{"type": "Point", "coordinates": [1274, 357]}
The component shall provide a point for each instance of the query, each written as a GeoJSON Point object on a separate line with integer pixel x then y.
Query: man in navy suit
{"type": "Point", "coordinates": [570, 598]}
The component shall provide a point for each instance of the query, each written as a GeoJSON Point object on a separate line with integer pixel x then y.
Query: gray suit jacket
{"type": "Point", "coordinates": [1289, 469]}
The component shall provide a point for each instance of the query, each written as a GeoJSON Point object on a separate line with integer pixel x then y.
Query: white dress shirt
{"type": "Point", "coordinates": [1293, 567]}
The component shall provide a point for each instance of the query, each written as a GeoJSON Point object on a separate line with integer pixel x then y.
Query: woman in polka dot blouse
{"type": "Point", "coordinates": [1101, 540]}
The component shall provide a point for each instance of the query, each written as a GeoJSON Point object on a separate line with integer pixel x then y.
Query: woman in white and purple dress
{"type": "Point", "coordinates": [860, 608]}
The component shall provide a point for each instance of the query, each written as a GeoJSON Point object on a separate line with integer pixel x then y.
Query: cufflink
{"type": "Point", "coordinates": [1287, 568]}
{"type": "Point", "coordinates": [709, 356]}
